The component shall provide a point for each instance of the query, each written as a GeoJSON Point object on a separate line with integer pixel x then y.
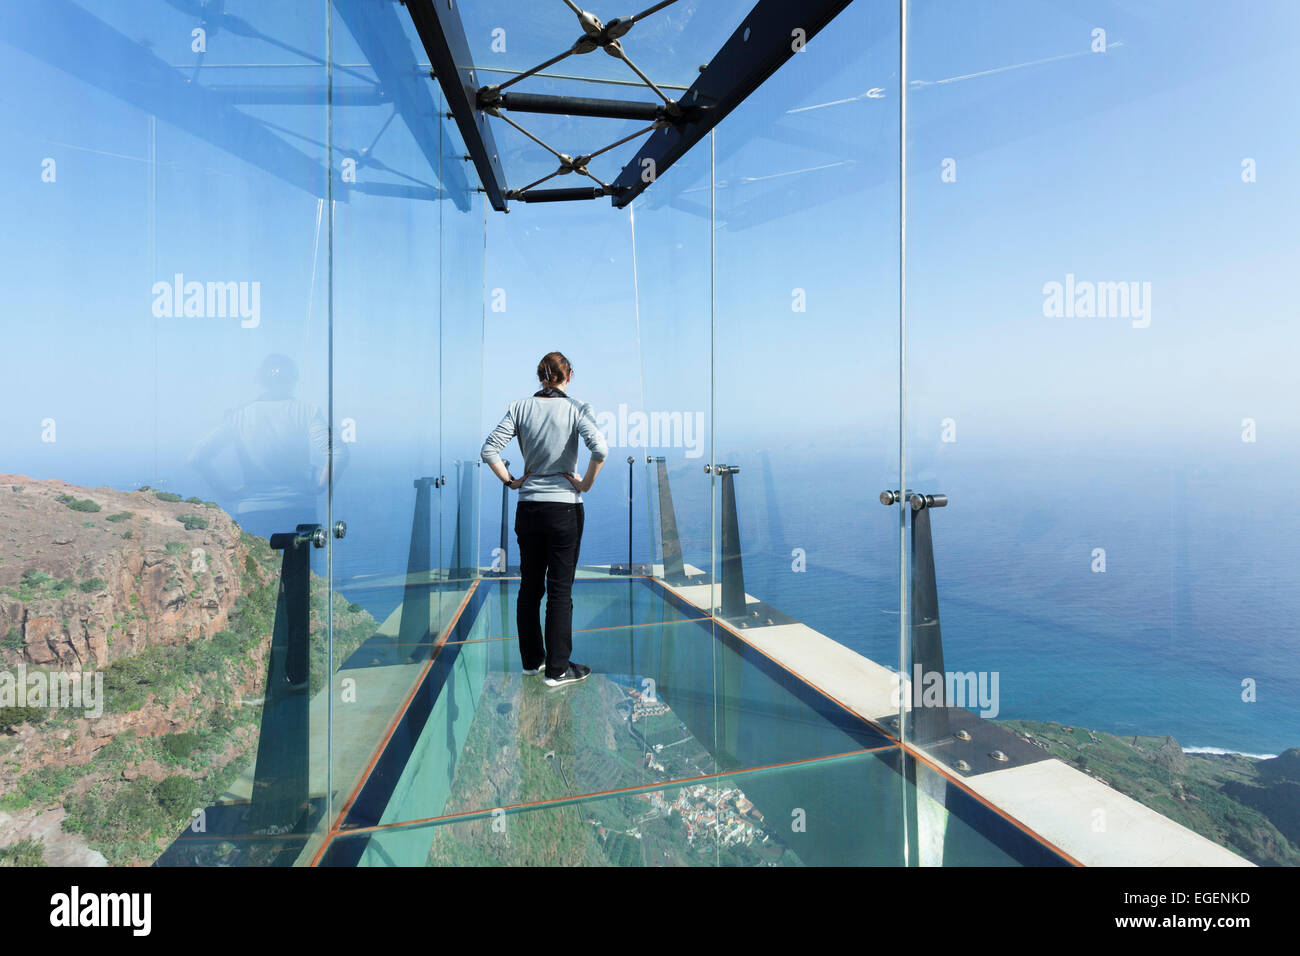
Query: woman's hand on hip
{"type": "Point", "coordinates": [518, 482]}
{"type": "Point", "coordinates": [576, 482]}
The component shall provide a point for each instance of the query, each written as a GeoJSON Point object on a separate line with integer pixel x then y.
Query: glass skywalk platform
{"type": "Point", "coordinates": [687, 746]}
{"type": "Point", "coordinates": [810, 297]}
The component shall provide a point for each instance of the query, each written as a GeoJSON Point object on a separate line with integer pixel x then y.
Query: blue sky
{"type": "Point", "coordinates": [775, 317]}
{"type": "Point", "coordinates": [1123, 165]}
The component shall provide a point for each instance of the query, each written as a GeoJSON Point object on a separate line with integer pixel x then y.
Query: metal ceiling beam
{"type": "Point", "coordinates": [761, 44]}
{"type": "Point", "coordinates": [561, 195]}
{"type": "Point", "coordinates": [443, 36]}
{"type": "Point", "coordinates": [581, 106]}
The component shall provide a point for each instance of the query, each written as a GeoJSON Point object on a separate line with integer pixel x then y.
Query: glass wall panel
{"type": "Point", "coordinates": [165, 417]}
{"type": "Point", "coordinates": [805, 367]}
{"type": "Point", "coordinates": [462, 240]}
{"type": "Point", "coordinates": [671, 230]}
{"type": "Point", "coordinates": [389, 490]}
{"type": "Point", "coordinates": [1100, 378]}
{"type": "Point", "coordinates": [561, 278]}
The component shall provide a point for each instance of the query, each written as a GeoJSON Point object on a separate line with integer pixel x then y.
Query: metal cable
{"type": "Point", "coordinates": [590, 39]}
{"type": "Point", "coordinates": [622, 55]}
{"type": "Point", "coordinates": [539, 182]}
{"type": "Point", "coordinates": [620, 142]}
{"type": "Point", "coordinates": [600, 81]}
{"type": "Point", "coordinates": [590, 175]}
{"type": "Point", "coordinates": [655, 9]}
{"type": "Point", "coordinates": [558, 155]}
{"type": "Point", "coordinates": [537, 69]}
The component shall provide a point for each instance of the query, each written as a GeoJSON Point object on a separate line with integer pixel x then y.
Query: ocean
{"type": "Point", "coordinates": [1196, 612]}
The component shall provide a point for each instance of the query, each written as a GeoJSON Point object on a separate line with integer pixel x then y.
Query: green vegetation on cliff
{"type": "Point", "coordinates": [79, 504]}
{"type": "Point", "coordinates": [29, 852]}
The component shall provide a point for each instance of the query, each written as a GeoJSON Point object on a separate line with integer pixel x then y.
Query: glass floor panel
{"type": "Point", "coordinates": [679, 716]}
{"type": "Point", "coordinates": [850, 810]}
{"type": "Point", "coordinates": [666, 701]}
{"type": "Point", "coordinates": [597, 603]}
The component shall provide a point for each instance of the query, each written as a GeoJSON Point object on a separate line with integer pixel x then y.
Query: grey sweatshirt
{"type": "Point", "coordinates": [548, 430]}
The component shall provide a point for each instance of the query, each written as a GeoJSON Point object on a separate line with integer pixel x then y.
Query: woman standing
{"type": "Point", "coordinates": [549, 516]}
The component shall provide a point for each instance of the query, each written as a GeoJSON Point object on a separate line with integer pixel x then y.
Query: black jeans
{"type": "Point", "coordinates": [549, 534]}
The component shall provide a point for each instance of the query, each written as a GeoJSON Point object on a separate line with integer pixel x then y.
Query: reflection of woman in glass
{"type": "Point", "coordinates": [282, 447]}
{"type": "Point", "coordinates": [549, 516]}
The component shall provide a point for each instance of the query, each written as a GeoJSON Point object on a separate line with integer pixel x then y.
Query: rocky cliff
{"type": "Point", "coordinates": [88, 575]}
{"type": "Point", "coordinates": [172, 606]}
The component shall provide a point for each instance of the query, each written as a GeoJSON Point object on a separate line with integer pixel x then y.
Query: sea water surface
{"type": "Point", "coordinates": [1192, 629]}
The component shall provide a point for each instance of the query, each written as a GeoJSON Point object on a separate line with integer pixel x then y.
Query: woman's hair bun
{"type": "Point", "coordinates": [553, 367]}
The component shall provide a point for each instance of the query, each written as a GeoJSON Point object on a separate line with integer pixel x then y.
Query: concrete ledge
{"type": "Point", "coordinates": [855, 682]}
{"type": "Point", "coordinates": [1063, 806]}
{"type": "Point", "coordinates": [1095, 824]}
